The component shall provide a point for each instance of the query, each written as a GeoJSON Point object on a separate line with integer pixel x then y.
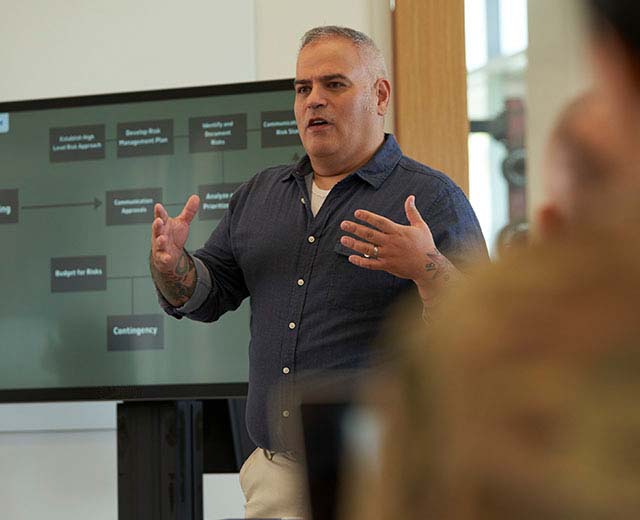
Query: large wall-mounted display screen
{"type": "Point", "coordinates": [79, 317]}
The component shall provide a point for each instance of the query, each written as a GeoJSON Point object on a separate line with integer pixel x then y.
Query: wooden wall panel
{"type": "Point", "coordinates": [431, 121]}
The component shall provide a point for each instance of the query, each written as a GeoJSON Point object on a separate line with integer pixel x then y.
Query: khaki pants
{"type": "Point", "coordinates": [274, 486]}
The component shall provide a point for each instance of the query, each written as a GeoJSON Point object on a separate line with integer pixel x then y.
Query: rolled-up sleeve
{"type": "Point", "coordinates": [199, 296]}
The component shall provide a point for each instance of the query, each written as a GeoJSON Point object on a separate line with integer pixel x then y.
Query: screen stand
{"type": "Point", "coordinates": [160, 460]}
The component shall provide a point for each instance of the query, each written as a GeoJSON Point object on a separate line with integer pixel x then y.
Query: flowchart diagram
{"type": "Point", "coordinates": [210, 155]}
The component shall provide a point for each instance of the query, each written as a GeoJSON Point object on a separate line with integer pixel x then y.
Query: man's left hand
{"type": "Point", "coordinates": [403, 251]}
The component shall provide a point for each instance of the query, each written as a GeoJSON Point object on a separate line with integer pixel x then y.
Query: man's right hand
{"type": "Point", "coordinates": [169, 235]}
{"type": "Point", "coordinates": [172, 269]}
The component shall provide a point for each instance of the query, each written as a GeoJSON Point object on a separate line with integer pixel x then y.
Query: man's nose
{"type": "Point", "coordinates": [316, 98]}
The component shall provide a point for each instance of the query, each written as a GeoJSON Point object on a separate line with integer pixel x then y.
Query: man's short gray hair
{"type": "Point", "coordinates": [364, 43]}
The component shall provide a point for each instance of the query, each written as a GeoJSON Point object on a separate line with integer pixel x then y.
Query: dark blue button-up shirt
{"type": "Point", "coordinates": [312, 310]}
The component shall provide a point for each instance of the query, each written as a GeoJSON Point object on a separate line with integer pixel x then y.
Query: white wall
{"type": "Point", "coordinates": [72, 47]}
{"type": "Point", "coordinates": [276, 49]}
{"type": "Point", "coordinates": [58, 475]}
{"type": "Point", "coordinates": [72, 474]}
{"type": "Point", "coordinates": [59, 461]}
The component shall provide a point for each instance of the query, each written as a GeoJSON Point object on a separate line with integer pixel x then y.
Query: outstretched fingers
{"type": "Point", "coordinates": [157, 228]}
{"type": "Point", "coordinates": [160, 242]}
{"type": "Point", "coordinates": [366, 248]}
{"type": "Point", "coordinates": [190, 209]}
{"type": "Point", "coordinates": [364, 232]}
{"type": "Point", "coordinates": [160, 212]}
{"type": "Point", "coordinates": [378, 221]}
{"type": "Point", "coordinates": [413, 215]}
{"type": "Point", "coordinates": [366, 263]}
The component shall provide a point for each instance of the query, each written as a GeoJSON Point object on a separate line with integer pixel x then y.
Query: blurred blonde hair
{"type": "Point", "coordinates": [521, 401]}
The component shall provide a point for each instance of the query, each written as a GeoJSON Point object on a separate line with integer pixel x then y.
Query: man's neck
{"type": "Point", "coordinates": [326, 182]}
{"type": "Point", "coordinates": [327, 172]}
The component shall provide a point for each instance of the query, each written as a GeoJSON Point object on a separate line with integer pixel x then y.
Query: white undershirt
{"type": "Point", "coordinates": [318, 197]}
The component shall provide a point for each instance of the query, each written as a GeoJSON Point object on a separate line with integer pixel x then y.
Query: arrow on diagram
{"type": "Point", "coordinates": [96, 203]}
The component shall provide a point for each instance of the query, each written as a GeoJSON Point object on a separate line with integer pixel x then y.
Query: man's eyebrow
{"type": "Point", "coordinates": [332, 77]}
{"type": "Point", "coordinates": [324, 79]}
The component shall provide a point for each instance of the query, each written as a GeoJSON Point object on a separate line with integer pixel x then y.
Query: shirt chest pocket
{"type": "Point", "coordinates": [356, 288]}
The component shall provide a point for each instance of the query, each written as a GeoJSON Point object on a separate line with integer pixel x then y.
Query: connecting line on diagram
{"type": "Point", "coordinates": [132, 279]}
{"type": "Point", "coordinates": [96, 203]}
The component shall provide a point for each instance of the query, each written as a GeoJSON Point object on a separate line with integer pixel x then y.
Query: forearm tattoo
{"type": "Point", "coordinates": [182, 267]}
{"type": "Point", "coordinates": [178, 286]}
{"type": "Point", "coordinates": [442, 273]}
{"type": "Point", "coordinates": [439, 266]}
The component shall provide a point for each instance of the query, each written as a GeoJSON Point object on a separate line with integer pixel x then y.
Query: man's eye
{"type": "Point", "coordinates": [302, 90]}
{"type": "Point", "coordinates": [335, 84]}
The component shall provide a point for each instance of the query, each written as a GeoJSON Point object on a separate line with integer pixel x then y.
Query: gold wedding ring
{"type": "Point", "coordinates": [373, 255]}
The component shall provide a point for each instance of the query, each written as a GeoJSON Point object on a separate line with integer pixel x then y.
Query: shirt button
{"type": "Point", "coordinates": [311, 239]}
{"type": "Point", "coordinates": [285, 413]}
{"type": "Point", "coordinates": [303, 201]}
{"type": "Point", "coordinates": [292, 325]}
{"type": "Point", "coordinates": [286, 370]}
{"type": "Point", "coordinates": [300, 282]}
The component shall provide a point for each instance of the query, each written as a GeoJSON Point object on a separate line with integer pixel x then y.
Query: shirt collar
{"type": "Point", "coordinates": [373, 172]}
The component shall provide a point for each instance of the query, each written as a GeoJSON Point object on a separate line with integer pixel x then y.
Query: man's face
{"type": "Point", "coordinates": [336, 105]}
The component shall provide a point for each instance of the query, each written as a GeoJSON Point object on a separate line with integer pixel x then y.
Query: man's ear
{"type": "Point", "coordinates": [383, 95]}
{"type": "Point", "coordinates": [549, 222]}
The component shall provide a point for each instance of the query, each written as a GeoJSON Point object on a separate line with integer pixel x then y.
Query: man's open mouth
{"type": "Point", "coordinates": [317, 121]}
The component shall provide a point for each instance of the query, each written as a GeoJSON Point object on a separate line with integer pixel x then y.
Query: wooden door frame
{"type": "Point", "coordinates": [430, 76]}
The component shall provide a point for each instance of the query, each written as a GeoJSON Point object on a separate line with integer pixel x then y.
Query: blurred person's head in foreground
{"type": "Point", "coordinates": [593, 160]}
{"type": "Point", "coordinates": [580, 177]}
{"type": "Point", "coordinates": [521, 398]}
